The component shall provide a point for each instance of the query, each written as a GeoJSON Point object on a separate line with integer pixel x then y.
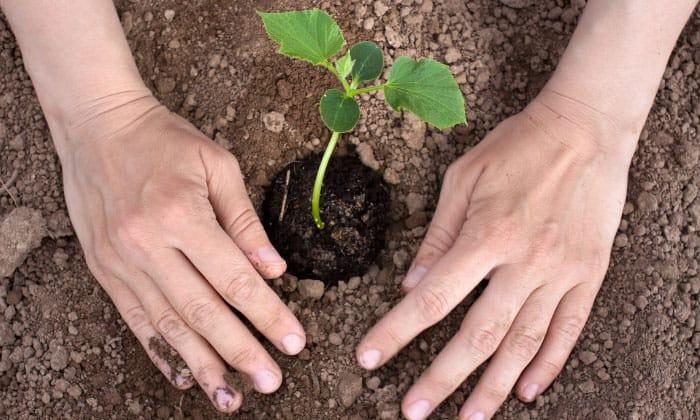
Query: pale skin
{"type": "Point", "coordinates": [534, 207]}
{"type": "Point", "coordinates": [167, 228]}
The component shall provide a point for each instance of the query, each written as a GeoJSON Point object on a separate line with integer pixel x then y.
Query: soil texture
{"type": "Point", "coordinates": [65, 352]}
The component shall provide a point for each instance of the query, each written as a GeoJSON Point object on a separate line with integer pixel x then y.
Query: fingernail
{"type": "Point", "coordinates": [530, 392]}
{"type": "Point", "coordinates": [370, 359]}
{"type": "Point", "coordinates": [266, 381]}
{"type": "Point", "coordinates": [477, 416]}
{"type": "Point", "coordinates": [183, 380]}
{"type": "Point", "coordinates": [418, 410]}
{"type": "Point", "coordinates": [224, 398]}
{"type": "Point", "coordinates": [414, 276]}
{"type": "Point", "coordinates": [292, 343]}
{"type": "Point", "coordinates": [268, 254]}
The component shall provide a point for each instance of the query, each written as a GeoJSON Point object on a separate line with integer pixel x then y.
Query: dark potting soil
{"type": "Point", "coordinates": [354, 205]}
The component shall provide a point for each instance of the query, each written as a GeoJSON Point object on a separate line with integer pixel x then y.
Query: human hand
{"type": "Point", "coordinates": [535, 207]}
{"type": "Point", "coordinates": [168, 230]}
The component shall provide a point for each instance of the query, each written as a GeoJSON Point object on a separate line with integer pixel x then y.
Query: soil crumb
{"type": "Point", "coordinates": [166, 353]}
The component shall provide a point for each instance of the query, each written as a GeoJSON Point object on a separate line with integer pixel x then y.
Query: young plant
{"type": "Point", "coordinates": [424, 87]}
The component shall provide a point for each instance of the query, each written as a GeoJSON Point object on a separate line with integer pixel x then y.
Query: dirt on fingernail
{"type": "Point", "coordinates": [224, 398]}
{"type": "Point", "coordinates": [239, 382]}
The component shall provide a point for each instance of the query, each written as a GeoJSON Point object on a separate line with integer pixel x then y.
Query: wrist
{"type": "Point", "coordinates": [98, 117]}
{"type": "Point", "coordinates": [583, 127]}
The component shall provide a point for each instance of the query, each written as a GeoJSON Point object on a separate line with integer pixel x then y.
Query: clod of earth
{"type": "Point", "coordinates": [20, 232]}
{"type": "Point", "coordinates": [311, 289]}
{"type": "Point", "coordinates": [349, 388]}
{"type": "Point", "coordinates": [356, 200]}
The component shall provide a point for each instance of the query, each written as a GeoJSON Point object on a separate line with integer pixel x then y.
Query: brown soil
{"type": "Point", "coordinates": [353, 207]}
{"type": "Point", "coordinates": [66, 353]}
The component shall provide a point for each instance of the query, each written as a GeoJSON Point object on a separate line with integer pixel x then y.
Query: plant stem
{"type": "Point", "coordinates": [354, 92]}
{"type": "Point", "coordinates": [332, 69]}
{"type": "Point", "coordinates": [318, 184]}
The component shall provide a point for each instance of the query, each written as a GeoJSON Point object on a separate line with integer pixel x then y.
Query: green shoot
{"type": "Point", "coordinates": [318, 183]}
{"type": "Point", "coordinates": [424, 87]}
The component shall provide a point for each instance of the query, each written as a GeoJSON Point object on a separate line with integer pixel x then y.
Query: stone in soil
{"type": "Point", "coordinates": [274, 121]}
{"type": "Point", "coordinates": [310, 289]}
{"type": "Point", "coordinates": [349, 388]}
{"type": "Point", "coordinates": [20, 232]}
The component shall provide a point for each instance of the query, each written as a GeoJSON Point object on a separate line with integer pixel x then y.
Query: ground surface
{"type": "Point", "coordinates": [65, 352]}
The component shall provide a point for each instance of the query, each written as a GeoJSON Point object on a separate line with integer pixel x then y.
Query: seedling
{"type": "Point", "coordinates": [424, 87]}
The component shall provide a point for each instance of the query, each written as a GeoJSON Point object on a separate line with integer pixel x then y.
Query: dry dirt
{"type": "Point", "coordinates": [66, 353]}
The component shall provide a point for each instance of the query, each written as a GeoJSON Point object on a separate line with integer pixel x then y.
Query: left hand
{"type": "Point", "coordinates": [535, 207]}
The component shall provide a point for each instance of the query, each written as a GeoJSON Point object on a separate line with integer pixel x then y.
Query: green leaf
{"type": "Point", "coordinates": [344, 65]}
{"type": "Point", "coordinates": [339, 112]}
{"type": "Point", "coordinates": [369, 61]}
{"type": "Point", "coordinates": [309, 35]}
{"type": "Point", "coordinates": [427, 89]}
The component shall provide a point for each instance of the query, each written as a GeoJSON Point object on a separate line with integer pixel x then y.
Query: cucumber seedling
{"type": "Point", "coordinates": [424, 87]}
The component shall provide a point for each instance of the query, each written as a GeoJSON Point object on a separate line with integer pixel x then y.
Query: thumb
{"type": "Point", "coordinates": [450, 215]}
{"type": "Point", "coordinates": [235, 212]}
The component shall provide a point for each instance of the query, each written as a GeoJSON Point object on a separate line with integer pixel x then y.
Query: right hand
{"type": "Point", "coordinates": [168, 230]}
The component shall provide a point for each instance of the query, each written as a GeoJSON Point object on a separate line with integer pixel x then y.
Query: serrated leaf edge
{"type": "Point", "coordinates": [281, 48]}
{"type": "Point", "coordinates": [400, 108]}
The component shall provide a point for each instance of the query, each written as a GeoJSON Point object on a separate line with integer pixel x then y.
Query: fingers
{"type": "Point", "coordinates": [229, 198]}
{"type": "Point", "coordinates": [564, 330]}
{"type": "Point", "coordinates": [137, 320]}
{"type": "Point", "coordinates": [479, 336]}
{"type": "Point", "coordinates": [519, 346]}
{"type": "Point", "coordinates": [218, 259]}
{"type": "Point", "coordinates": [443, 287]}
{"type": "Point", "coordinates": [447, 221]}
{"type": "Point", "coordinates": [175, 349]}
{"type": "Point", "coordinates": [206, 366]}
{"type": "Point", "coordinates": [202, 310]}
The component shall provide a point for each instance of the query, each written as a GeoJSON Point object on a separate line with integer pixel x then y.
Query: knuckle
{"type": "Point", "coordinates": [136, 319]}
{"type": "Point", "coordinates": [437, 241]}
{"type": "Point", "coordinates": [445, 383]}
{"type": "Point", "coordinates": [221, 156]}
{"type": "Point", "coordinates": [394, 336]}
{"type": "Point", "coordinates": [130, 230]}
{"type": "Point", "coordinates": [204, 372]}
{"type": "Point", "coordinates": [96, 265]}
{"type": "Point", "coordinates": [452, 174]}
{"type": "Point", "coordinates": [493, 233]}
{"type": "Point", "coordinates": [484, 340]}
{"type": "Point", "coordinates": [244, 221]}
{"type": "Point", "coordinates": [525, 341]}
{"type": "Point", "coordinates": [549, 367]}
{"type": "Point", "coordinates": [172, 213]}
{"type": "Point", "coordinates": [494, 392]}
{"type": "Point", "coordinates": [432, 304]}
{"type": "Point", "coordinates": [231, 161]}
{"type": "Point", "coordinates": [455, 173]}
{"type": "Point", "coordinates": [507, 227]}
{"type": "Point", "coordinates": [243, 356]}
{"type": "Point", "coordinates": [171, 326]}
{"type": "Point", "coordinates": [597, 259]}
{"type": "Point", "coordinates": [199, 313]}
{"type": "Point", "coordinates": [568, 328]}
{"type": "Point", "coordinates": [273, 318]}
{"type": "Point", "coordinates": [240, 288]}
{"type": "Point", "coordinates": [546, 240]}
